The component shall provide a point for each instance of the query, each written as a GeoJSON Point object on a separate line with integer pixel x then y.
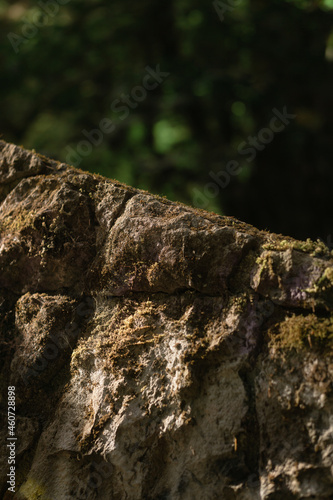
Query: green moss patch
{"type": "Point", "coordinates": [302, 332]}
{"type": "Point", "coordinates": [313, 248]}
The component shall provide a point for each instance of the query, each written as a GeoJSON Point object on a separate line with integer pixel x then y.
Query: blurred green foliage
{"type": "Point", "coordinates": [65, 63]}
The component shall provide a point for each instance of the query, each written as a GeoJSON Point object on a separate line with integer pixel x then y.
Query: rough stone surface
{"type": "Point", "coordinates": [158, 352]}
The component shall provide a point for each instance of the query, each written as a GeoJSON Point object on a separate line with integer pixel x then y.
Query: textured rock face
{"type": "Point", "coordinates": [157, 351]}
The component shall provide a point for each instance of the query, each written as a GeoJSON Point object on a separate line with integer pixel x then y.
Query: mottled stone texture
{"type": "Point", "coordinates": [158, 352]}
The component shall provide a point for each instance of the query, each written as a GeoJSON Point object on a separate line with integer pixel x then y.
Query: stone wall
{"type": "Point", "coordinates": [158, 352]}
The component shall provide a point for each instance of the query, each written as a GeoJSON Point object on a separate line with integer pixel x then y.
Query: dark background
{"type": "Point", "coordinates": [230, 63]}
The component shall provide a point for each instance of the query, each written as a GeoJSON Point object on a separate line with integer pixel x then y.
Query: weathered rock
{"type": "Point", "coordinates": [158, 351]}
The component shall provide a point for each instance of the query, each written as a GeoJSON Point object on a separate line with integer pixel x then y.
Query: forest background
{"type": "Point", "coordinates": [224, 105]}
